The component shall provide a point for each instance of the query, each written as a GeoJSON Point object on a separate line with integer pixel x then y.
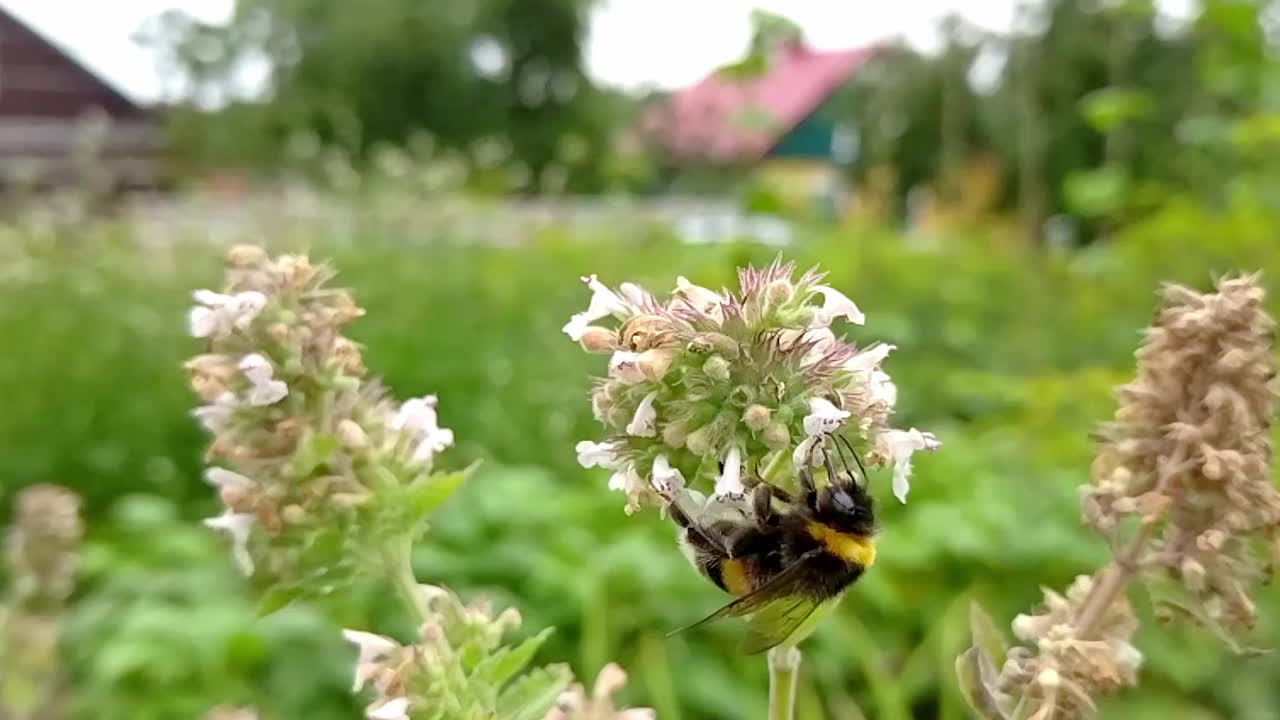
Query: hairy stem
{"type": "Point", "coordinates": [400, 567]}
{"type": "Point", "coordinates": [784, 671]}
{"type": "Point", "coordinates": [1115, 577]}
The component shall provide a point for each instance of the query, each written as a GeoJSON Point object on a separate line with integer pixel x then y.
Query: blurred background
{"type": "Point", "coordinates": [1000, 186]}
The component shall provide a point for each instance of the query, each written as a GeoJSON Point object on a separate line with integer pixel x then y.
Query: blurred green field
{"type": "Point", "coordinates": [1008, 356]}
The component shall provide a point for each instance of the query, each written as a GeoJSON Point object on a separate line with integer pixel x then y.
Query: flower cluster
{"type": "Point", "coordinates": [1189, 452]}
{"type": "Point", "coordinates": [41, 546]}
{"type": "Point", "coordinates": [712, 388]}
{"type": "Point", "coordinates": [307, 455]}
{"type": "Point", "coordinates": [41, 558]}
{"type": "Point", "coordinates": [458, 668]}
{"type": "Point", "coordinates": [1060, 677]}
{"type": "Point", "coordinates": [1181, 490]}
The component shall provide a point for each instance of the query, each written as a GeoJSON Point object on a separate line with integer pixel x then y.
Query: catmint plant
{"type": "Point", "coordinates": [40, 554]}
{"type": "Point", "coordinates": [1180, 491]}
{"type": "Point", "coordinates": [325, 479]}
{"type": "Point", "coordinates": [708, 393]}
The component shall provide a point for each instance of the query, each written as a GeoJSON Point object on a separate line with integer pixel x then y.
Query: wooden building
{"type": "Point", "coordinates": [60, 122]}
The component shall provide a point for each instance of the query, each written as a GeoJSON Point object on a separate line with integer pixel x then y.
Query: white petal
{"type": "Point", "coordinates": [730, 480]}
{"type": "Point", "coordinates": [214, 418]}
{"type": "Point", "coordinates": [577, 324]}
{"type": "Point", "coordinates": [604, 302]}
{"type": "Point", "coordinates": [645, 421]}
{"type": "Point", "coordinates": [701, 299]}
{"type": "Point", "coordinates": [869, 359]}
{"type": "Point", "coordinates": [823, 417]}
{"type": "Point", "coordinates": [431, 443]}
{"type": "Point", "coordinates": [834, 305]}
{"type": "Point", "coordinates": [203, 322]}
{"type": "Point", "coordinates": [392, 709]}
{"type": "Point", "coordinates": [245, 307]}
{"type": "Point", "coordinates": [372, 647]}
{"type": "Point", "coordinates": [211, 299]}
{"type": "Point", "coordinates": [804, 454]}
{"type": "Point", "coordinates": [238, 526]}
{"type": "Point", "coordinates": [625, 479]}
{"type": "Point", "coordinates": [633, 294]}
{"type": "Point", "coordinates": [594, 454]}
{"type": "Point", "coordinates": [666, 479]}
{"type": "Point", "coordinates": [880, 389]}
{"type": "Point", "coordinates": [221, 477]}
{"type": "Point", "coordinates": [823, 340]}
{"type": "Point", "coordinates": [268, 393]}
{"type": "Point", "coordinates": [257, 368]}
{"type": "Point", "coordinates": [625, 366]}
{"type": "Point", "coordinates": [416, 415]}
{"type": "Point", "coordinates": [898, 445]}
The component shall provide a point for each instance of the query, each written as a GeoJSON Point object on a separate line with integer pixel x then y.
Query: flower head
{"type": "Point", "coordinates": [711, 386]}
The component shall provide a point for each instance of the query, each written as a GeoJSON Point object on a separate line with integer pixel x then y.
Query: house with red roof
{"type": "Point", "coordinates": [774, 122]}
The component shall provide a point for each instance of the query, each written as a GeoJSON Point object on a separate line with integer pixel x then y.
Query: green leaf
{"type": "Point", "coordinates": [530, 697]}
{"type": "Point", "coordinates": [986, 636]}
{"type": "Point", "coordinates": [277, 598]}
{"type": "Point", "coordinates": [506, 663]}
{"type": "Point", "coordinates": [428, 493]}
{"type": "Point", "coordinates": [969, 674]}
{"type": "Point", "coordinates": [1108, 108]}
{"type": "Point", "coordinates": [1097, 192]}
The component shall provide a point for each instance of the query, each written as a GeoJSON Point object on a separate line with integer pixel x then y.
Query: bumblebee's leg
{"type": "Point", "coordinates": [762, 506]}
{"type": "Point", "coordinates": [808, 491]}
{"type": "Point", "coordinates": [713, 540]}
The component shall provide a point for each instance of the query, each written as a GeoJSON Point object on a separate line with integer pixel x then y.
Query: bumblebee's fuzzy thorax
{"type": "Point", "coordinates": [857, 550]}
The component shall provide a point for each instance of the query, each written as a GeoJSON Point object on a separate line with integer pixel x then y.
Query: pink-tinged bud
{"type": "Point", "coordinates": [778, 291]}
{"type": "Point", "coordinates": [279, 332]}
{"type": "Point", "coordinates": [243, 257]}
{"type": "Point", "coordinates": [645, 332]}
{"type": "Point", "coordinates": [297, 269]}
{"type": "Point", "coordinates": [351, 435]}
{"type": "Point", "coordinates": [236, 497]}
{"type": "Point", "coordinates": [655, 363]}
{"type": "Point", "coordinates": [776, 436]}
{"type": "Point", "coordinates": [716, 368]}
{"type": "Point", "coordinates": [347, 357]}
{"type": "Point", "coordinates": [293, 514]}
{"type": "Point", "coordinates": [600, 404]}
{"type": "Point", "coordinates": [756, 417]}
{"type": "Point", "coordinates": [715, 342]}
{"type": "Point", "coordinates": [698, 441]}
{"type": "Point", "coordinates": [596, 339]}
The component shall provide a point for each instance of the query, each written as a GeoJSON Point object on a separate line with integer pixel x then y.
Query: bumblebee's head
{"type": "Point", "coordinates": [846, 507]}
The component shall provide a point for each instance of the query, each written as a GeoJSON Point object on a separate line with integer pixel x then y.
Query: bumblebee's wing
{"type": "Point", "coordinates": [782, 588]}
{"type": "Point", "coordinates": [776, 621]}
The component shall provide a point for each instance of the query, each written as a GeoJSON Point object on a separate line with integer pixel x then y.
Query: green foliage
{"type": "Point", "coordinates": [1009, 358]}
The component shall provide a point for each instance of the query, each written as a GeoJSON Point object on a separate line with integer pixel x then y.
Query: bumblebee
{"type": "Point", "coordinates": [791, 560]}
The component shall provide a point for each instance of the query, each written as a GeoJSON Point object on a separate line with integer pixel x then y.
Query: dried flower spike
{"type": "Point", "coordinates": [707, 391]}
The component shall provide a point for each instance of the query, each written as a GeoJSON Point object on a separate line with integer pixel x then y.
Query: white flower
{"type": "Point", "coordinates": [644, 423]}
{"type": "Point", "coordinates": [218, 314]}
{"type": "Point", "coordinates": [898, 445]}
{"type": "Point", "coordinates": [834, 305]}
{"type": "Point", "coordinates": [417, 418]}
{"type": "Point", "coordinates": [604, 302]}
{"type": "Point", "coordinates": [216, 416]}
{"type": "Point", "coordinates": [823, 417]}
{"type": "Point", "coordinates": [880, 389]}
{"type": "Point", "coordinates": [730, 481]}
{"type": "Point", "coordinates": [804, 455]}
{"type": "Point", "coordinates": [371, 649]}
{"type": "Point", "coordinates": [625, 366]}
{"type": "Point", "coordinates": [237, 525]}
{"type": "Point", "coordinates": [594, 454]}
{"type": "Point", "coordinates": [666, 479]}
{"type": "Point", "coordinates": [869, 360]}
{"type": "Point", "coordinates": [264, 390]}
{"type": "Point", "coordinates": [221, 477]}
{"type": "Point", "coordinates": [389, 709]}
{"type": "Point", "coordinates": [700, 299]}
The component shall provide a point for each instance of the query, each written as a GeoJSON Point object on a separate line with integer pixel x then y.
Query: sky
{"type": "Point", "coordinates": [632, 43]}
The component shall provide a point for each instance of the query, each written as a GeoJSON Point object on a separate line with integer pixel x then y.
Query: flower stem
{"type": "Point", "coordinates": [400, 566]}
{"type": "Point", "coordinates": [784, 671]}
